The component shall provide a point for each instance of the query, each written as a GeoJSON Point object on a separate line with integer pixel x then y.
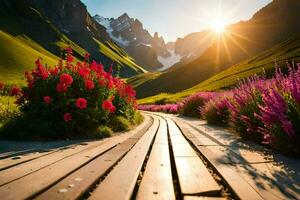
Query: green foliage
{"type": "Point", "coordinates": [104, 131]}
{"type": "Point", "coordinates": [138, 118]}
{"type": "Point", "coordinates": [245, 123]}
{"type": "Point", "coordinates": [119, 123]}
{"type": "Point", "coordinates": [214, 114]}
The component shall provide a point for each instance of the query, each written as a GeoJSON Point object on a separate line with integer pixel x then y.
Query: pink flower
{"type": "Point", "coordinates": [66, 79]}
{"type": "Point", "coordinates": [69, 50]}
{"type": "Point", "coordinates": [107, 105]}
{"type": "Point", "coordinates": [47, 100]}
{"type": "Point", "coordinates": [89, 84]}
{"type": "Point", "coordinates": [81, 103]}
{"type": "Point", "coordinates": [67, 117]}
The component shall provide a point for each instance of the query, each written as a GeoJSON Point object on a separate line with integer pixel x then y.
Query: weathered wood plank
{"type": "Point", "coordinates": [120, 182]}
{"type": "Point", "coordinates": [240, 187]}
{"type": "Point", "coordinates": [157, 182]}
{"type": "Point", "coordinates": [18, 159]}
{"type": "Point", "coordinates": [24, 169]}
{"type": "Point", "coordinates": [32, 184]}
{"type": "Point", "coordinates": [194, 177]}
{"type": "Point", "coordinates": [71, 188]}
{"type": "Point", "coordinates": [203, 198]}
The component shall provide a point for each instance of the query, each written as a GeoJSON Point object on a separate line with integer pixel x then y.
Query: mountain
{"type": "Point", "coordinates": [193, 45]}
{"type": "Point", "coordinates": [129, 33]}
{"type": "Point", "coordinates": [264, 62]}
{"type": "Point", "coordinates": [38, 28]}
{"type": "Point", "coordinates": [271, 25]}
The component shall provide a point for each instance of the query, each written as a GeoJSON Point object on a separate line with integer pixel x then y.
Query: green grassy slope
{"type": "Point", "coordinates": [285, 51]}
{"type": "Point", "coordinates": [137, 80]}
{"type": "Point", "coordinates": [17, 56]}
{"type": "Point", "coordinates": [26, 35]}
{"type": "Point", "coordinates": [119, 56]}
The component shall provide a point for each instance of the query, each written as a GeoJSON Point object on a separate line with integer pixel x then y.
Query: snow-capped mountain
{"type": "Point", "coordinates": [149, 51]}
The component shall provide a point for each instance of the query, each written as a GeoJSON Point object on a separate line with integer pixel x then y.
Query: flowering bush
{"type": "Point", "coordinates": [73, 99]}
{"type": "Point", "coordinates": [192, 104]}
{"type": "Point", "coordinates": [216, 110]}
{"type": "Point", "coordinates": [168, 108]}
{"type": "Point", "coordinates": [267, 111]}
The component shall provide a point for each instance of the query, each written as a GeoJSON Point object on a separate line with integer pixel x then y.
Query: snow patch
{"type": "Point", "coordinates": [169, 61]}
{"type": "Point", "coordinates": [106, 23]}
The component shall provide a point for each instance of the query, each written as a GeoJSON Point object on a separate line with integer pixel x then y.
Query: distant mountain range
{"type": "Point", "coordinates": [149, 51]}
{"type": "Point", "coordinates": [40, 28]}
{"type": "Point", "coordinates": [275, 23]}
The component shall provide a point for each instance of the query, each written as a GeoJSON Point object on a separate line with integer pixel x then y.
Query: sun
{"type": "Point", "coordinates": [218, 26]}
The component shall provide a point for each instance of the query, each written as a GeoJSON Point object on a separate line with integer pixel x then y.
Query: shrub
{"type": "Point", "coordinates": [168, 108]}
{"type": "Point", "coordinates": [104, 131]}
{"type": "Point", "coordinates": [267, 111]}
{"type": "Point", "coordinates": [71, 99]}
{"type": "Point", "coordinates": [216, 111]}
{"type": "Point", "coordinates": [138, 118]}
{"type": "Point", "coordinates": [119, 123]}
{"type": "Point", "coordinates": [191, 105]}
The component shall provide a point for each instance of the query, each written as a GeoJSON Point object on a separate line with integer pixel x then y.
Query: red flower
{"type": "Point", "coordinates": [61, 87]}
{"type": "Point", "coordinates": [84, 72]}
{"type": "Point", "coordinates": [70, 58]}
{"type": "Point", "coordinates": [47, 100]}
{"type": "Point", "coordinates": [81, 103]}
{"type": "Point", "coordinates": [101, 82]}
{"type": "Point", "coordinates": [129, 91]}
{"type": "Point", "coordinates": [2, 86]}
{"type": "Point", "coordinates": [110, 84]}
{"type": "Point", "coordinates": [87, 56]}
{"type": "Point", "coordinates": [89, 84]}
{"type": "Point", "coordinates": [15, 91]}
{"type": "Point", "coordinates": [66, 79]}
{"type": "Point", "coordinates": [44, 74]}
{"type": "Point", "coordinates": [54, 71]}
{"type": "Point", "coordinates": [67, 117]}
{"type": "Point", "coordinates": [107, 105]}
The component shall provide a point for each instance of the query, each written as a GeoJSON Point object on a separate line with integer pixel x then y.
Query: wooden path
{"type": "Point", "coordinates": [163, 158]}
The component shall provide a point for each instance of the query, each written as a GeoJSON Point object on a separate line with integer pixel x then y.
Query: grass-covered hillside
{"type": "Point", "coordinates": [27, 34]}
{"type": "Point", "coordinates": [265, 61]}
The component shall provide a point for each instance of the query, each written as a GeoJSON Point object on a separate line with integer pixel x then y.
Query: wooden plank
{"type": "Point", "coordinates": [34, 183]}
{"type": "Point", "coordinates": [194, 177]}
{"type": "Point", "coordinates": [18, 159]}
{"type": "Point", "coordinates": [88, 175]}
{"type": "Point", "coordinates": [239, 186]}
{"type": "Point", "coordinates": [157, 182]}
{"type": "Point", "coordinates": [24, 169]}
{"type": "Point", "coordinates": [33, 150]}
{"type": "Point", "coordinates": [203, 198]}
{"type": "Point", "coordinates": [120, 182]}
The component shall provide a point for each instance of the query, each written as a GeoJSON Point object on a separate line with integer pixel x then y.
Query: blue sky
{"type": "Point", "coordinates": [177, 18]}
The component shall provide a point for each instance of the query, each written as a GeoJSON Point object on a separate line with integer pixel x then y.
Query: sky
{"type": "Point", "coordinates": [177, 18]}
